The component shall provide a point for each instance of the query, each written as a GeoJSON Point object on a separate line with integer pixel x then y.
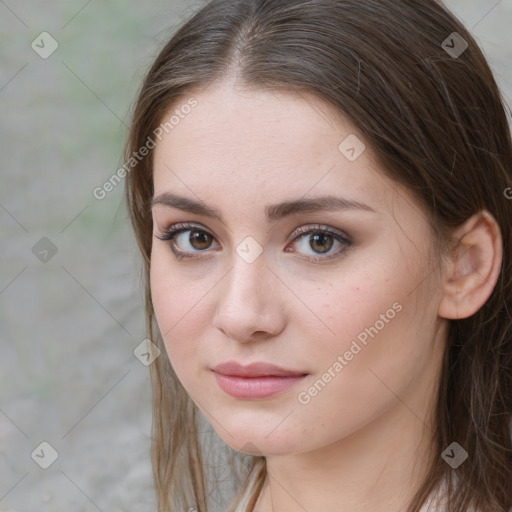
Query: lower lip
{"type": "Point", "coordinates": [256, 387]}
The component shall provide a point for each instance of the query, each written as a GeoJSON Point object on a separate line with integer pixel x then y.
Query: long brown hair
{"type": "Point", "coordinates": [431, 110]}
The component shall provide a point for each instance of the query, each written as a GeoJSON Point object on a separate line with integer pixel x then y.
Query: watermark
{"type": "Point", "coordinates": [100, 193]}
{"type": "Point", "coordinates": [454, 45]}
{"type": "Point", "coordinates": [44, 250]}
{"type": "Point", "coordinates": [146, 352]}
{"type": "Point", "coordinates": [44, 45]}
{"type": "Point", "coordinates": [352, 147]}
{"type": "Point", "coordinates": [44, 455]}
{"type": "Point", "coordinates": [454, 455]}
{"type": "Point", "coordinates": [249, 250]}
{"type": "Point", "coordinates": [304, 397]}
{"type": "Point", "coordinates": [508, 192]}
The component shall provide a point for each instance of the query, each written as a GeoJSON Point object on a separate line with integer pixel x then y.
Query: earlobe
{"type": "Point", "coordinates": [474, 266]}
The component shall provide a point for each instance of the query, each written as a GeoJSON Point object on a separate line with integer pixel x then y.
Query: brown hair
{"type": "Point", "coordinates": [438, 125]}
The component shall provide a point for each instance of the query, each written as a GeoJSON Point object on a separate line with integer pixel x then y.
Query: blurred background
{"type": "Point", "coordinates": [75, 410]}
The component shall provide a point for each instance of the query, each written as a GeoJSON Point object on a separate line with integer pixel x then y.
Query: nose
{"type": "Point", "coordinates": [249, 306]}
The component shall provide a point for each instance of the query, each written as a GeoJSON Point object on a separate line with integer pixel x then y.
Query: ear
{"type": "Point", "coordinates": [473, 268]}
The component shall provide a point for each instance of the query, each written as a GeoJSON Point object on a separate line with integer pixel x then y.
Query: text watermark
{"type": "Point", "coordinates": [304, 397]}
{"type": "Point", "coordinates": [178, 114]}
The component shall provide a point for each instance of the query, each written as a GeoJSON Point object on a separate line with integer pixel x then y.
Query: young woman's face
{"type": "Point", "coordinates": [338, 293]}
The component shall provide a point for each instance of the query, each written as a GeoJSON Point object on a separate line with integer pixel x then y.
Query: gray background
{"type": "Point", "coordinates": [69, 325]}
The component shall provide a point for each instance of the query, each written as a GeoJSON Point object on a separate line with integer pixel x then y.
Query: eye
{"type": "Point", "coordinates": [320, 240]}
{"type": "Point", "coordinates": [186, 239]}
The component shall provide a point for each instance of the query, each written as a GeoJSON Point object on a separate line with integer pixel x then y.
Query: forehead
{"type": "Point", "coordinates": [243, 147]}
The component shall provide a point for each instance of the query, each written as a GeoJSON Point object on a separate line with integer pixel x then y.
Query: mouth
{"type": "Point", "coordinates": [255, 381]}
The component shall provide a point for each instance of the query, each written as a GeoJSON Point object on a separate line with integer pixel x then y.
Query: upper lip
{"type": "Point", "coordinates": [259, 369]}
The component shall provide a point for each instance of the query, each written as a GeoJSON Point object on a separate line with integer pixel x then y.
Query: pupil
{"type": "Point", "coordinates": [202, 240]}
{"type": "Point", "coordinates": [321, 238]}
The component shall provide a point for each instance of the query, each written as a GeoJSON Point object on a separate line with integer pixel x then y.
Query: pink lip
{"type": "Point", "coordinates": [257, 380]}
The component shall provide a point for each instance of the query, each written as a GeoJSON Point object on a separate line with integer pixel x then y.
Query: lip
{"type": "Point", "coordinates": [256, 380]}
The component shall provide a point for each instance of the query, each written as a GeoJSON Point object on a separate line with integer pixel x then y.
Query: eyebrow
{"type": "Point", "coordinates": [273, 212]}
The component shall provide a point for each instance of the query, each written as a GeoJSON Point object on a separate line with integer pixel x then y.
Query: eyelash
{"type": "Point", "coordinates": [169, 234]}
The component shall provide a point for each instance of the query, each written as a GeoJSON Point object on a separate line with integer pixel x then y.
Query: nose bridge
{"type": "Point", "coordinates": [247, 299]}
{"type": "Point", "coordinates": [247, 283]}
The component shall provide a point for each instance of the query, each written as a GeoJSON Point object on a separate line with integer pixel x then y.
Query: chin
{"type": "Point", "coordinates": [252, 442]}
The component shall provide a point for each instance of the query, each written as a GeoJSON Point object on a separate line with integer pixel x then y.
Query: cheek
{"type": "Point", "coordinates": [174, 298]}
{"type": "Point", "coordinates": [356, 307]}
{"type": "Point", "coordinates": [369, 323]}
{"type": "Point", "coordinates": [353, 379]}
{"type": "Point", "coordinates": [377, 335]}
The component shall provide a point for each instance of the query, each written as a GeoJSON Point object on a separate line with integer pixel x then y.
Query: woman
{"type": "Point", "coordinates": [318, 189]}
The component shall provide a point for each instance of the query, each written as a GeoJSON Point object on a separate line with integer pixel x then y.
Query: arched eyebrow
{"type": "Point", "coordinates": [273, 212]}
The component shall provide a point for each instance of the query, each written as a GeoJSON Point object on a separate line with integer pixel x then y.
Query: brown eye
{"type": "Point", "coordinates": [321, 242]}
{"type": "Point", "coordinates": [186, 240]}
{"type": "Point", "coordinates": [200, 240]}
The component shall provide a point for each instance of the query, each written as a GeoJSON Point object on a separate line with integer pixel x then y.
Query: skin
{"type": "Point", "coordinates": [363, 442]}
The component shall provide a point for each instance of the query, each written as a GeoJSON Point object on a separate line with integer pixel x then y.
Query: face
{"type": "Point", "coordinates": [288, 318]}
